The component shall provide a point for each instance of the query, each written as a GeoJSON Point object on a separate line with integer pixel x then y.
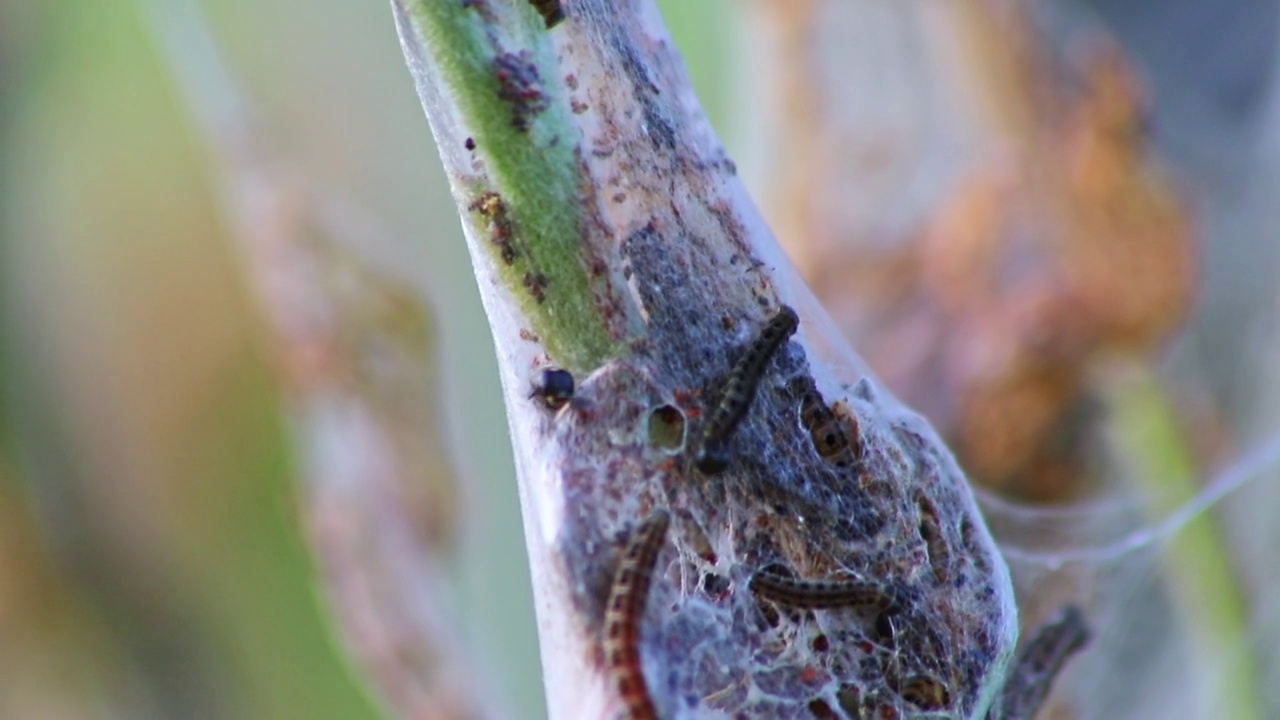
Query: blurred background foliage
{"type": "Point", "coordinates": [243, 359]}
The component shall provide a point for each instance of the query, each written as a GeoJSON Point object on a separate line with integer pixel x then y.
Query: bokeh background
{"type": "Point", "coordinates": [253, 456]}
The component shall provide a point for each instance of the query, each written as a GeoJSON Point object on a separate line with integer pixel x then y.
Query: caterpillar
{"type": "Point", "coordinates": [624, 611]}
{"type": "Point", "coordinates": [1040, 662]}
{"type": "Point", "coordinates": [828, 431]}
{"type": "Point", "coordinates": [825, 593]}
{"type": "Point", "coordinates": [712, 456]}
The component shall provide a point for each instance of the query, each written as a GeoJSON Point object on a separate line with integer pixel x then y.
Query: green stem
{"type": "Point", "coordinates": [1197, 561]}
{"type": "Point", "coordinates": [495, 64]}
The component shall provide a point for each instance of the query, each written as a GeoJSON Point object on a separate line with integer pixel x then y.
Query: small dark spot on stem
{"type": "Point", "coordinates": [536, 284]}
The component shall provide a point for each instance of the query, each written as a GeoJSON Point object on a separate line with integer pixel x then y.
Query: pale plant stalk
{"type": "Point", "coordinates": [610, 236]}
{"type": "Point", "coordinates": [356, 476]}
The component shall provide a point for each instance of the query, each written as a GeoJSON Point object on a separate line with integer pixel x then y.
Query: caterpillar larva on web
{"type": "Point", "coordinates": [739, 389]}
{"type": "Point", "coordinates": [624, 611]}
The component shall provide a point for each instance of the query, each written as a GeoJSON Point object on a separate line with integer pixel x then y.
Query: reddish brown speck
{"type": "Point", "coordinates": [490, 205]}
{"type": "Point", "coordinates": [536, 284]}
{"type": "Point", "coordinates": [520, 86]}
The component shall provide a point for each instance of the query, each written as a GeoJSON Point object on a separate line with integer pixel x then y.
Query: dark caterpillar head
{"type": "Point", "coordinates": [781, 326]}
{"type": "Point", "coordinates": [712, 457]}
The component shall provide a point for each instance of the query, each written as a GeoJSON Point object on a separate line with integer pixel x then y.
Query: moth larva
{"type": "Point", "coordinates": [825, 593]}
{"type": "Point", "coordinates": [624, 611]}
{"type": "Point", "coordinates": [1039, 663]}
{"type": "Point", "coordinates": [740, 388]}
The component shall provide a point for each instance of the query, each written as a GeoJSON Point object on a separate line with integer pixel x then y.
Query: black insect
{"type": "Point", "coordinates": [554, 387]}
{"type": "Point", "coordinates": [712, 455]}
{"type": "Point", "coordinates": [550, 10]}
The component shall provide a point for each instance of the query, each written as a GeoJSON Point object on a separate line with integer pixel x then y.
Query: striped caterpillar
{"type": "Point", "coordinates": [712, 456]}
